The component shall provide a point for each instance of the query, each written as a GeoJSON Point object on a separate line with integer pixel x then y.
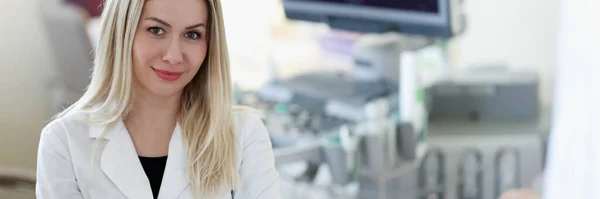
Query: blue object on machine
{"type": "Point", "coordinates": [435, 18]}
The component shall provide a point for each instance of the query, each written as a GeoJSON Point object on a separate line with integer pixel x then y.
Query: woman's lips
{"type": "Point", "coordinates": [167, 75]}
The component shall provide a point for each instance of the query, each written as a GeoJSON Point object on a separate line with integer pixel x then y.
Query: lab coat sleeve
{"type": "Point", "coordinates": [55, 174]}
{"type": "Point", "coordinates": [259, 178]}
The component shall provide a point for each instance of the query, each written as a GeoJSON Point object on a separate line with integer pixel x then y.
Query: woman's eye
{"type": "Point", "coordinates": [156, 31]}
{"type": "Point", "coordinates": [192, 35]}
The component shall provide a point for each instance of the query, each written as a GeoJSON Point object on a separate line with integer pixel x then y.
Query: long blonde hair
{"type": "Point", "coordinates": [206, 106]}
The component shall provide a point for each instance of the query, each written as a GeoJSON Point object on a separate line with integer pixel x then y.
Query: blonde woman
{"type": "Point", "coordinates": [157, 119]}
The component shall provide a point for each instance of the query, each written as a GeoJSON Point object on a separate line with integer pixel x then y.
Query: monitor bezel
{"type": "Point", "coordinates": [440, 20]}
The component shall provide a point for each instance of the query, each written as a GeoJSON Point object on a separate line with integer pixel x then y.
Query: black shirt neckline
{"type": "Point", "coordinates": [154, 167]}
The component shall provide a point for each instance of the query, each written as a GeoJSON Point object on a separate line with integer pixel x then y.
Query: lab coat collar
{"type": "Point", "coordinates": [175, 179]}
{"type": "Point", "coordinates": [120, 162]}
{"type": "Point", "coordinates": [96, 130]}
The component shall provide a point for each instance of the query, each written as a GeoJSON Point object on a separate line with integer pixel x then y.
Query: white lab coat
{"type": "Point", "coordinates": [64, 168]}
{"type": "Point", "coordinates": [573, 164]}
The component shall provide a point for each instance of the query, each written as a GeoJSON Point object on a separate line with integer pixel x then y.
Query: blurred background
{"type": "Point", "coordinates": [363, 99]}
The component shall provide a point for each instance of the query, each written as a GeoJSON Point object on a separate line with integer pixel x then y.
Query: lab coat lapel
{"type": "Point", "coordinates": [120, 162]}
{"type": "Point", "coordinates": [175, 180]}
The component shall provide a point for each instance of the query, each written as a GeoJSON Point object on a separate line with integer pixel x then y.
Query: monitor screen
{"type": "Point", "coordinates": [430, 6]}
{"type": "Point", "coordinates": [436, 18]}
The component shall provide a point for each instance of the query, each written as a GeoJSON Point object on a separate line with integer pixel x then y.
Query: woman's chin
{"type": "Point", "coordinates": [167, 92]}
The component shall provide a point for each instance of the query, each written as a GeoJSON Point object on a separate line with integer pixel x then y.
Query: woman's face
{"type": "Point", "coordinates": [169, 45]}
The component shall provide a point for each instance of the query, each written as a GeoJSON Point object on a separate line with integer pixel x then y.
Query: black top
{"type": "Point", "coordinates": [154, 168]}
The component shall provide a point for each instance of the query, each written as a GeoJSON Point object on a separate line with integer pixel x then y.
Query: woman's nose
{"type": "Point", "coordinates": [173, 55]}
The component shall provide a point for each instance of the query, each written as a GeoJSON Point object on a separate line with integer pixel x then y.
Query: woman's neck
{"type": "Point", "coordinates": [149, 107]}
{"type": "Point", "coordinates": [151, 122]}
{"type": "Point", "coordinates": [150, 111]}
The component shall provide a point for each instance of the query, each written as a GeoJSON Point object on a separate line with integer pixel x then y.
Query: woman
{"type": "Point", "coordinates": [157, 120]}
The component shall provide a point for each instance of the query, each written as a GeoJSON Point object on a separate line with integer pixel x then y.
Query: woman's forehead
{"type": "Point", "coordinates": [177, 12]}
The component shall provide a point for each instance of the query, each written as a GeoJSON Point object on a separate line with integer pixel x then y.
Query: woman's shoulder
{"type": "Point", "coordinates": [65, 126]}
{"type": "Point", "coordinates": [246, 119]}
{"type": "Point", "coordinates": [242, 115]}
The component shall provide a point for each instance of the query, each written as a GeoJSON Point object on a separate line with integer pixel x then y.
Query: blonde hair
{"type": "Point", "coordinates": [206, 106]}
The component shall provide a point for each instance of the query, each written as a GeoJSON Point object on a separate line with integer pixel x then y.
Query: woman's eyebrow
{"type": "Point", "coordinates": [195, 26]}
{"type": "Point", "coordinates": [169, 25]}
{"type": "Point", "coordinates": [159, 21]}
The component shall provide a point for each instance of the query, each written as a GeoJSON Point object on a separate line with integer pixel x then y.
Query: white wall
{"type": "Point", "coordinates": [24, 65]}
{"type": "Point", "coordinates": [519, 33]}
